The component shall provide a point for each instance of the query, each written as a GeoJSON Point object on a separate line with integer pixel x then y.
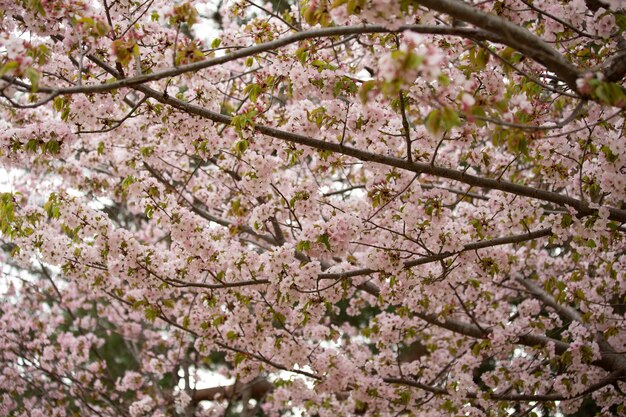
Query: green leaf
{"type": "Point", "coordinates": [151, 313]}
{"type": "Point", "coordinates": [53, 147]}
{"type": "Point", "coordinates": [303, 245]}
{"type": "Point", "coordinates": [33, 76]}
{"type": "Point", "coordinates": [58, 103]}
{"type": "Point", "coordinates": [405, 397]}
{"type": "Point", "coordinates": [608, 93]}
{"type": "Point", "coordinates": [608, 154]}
{"type": "Point", "coordinates": [253, 90]}
{"type": "Point", "coordinates": [239, 357]}
{"type": "Point", "coordinates": [145, 151]}
{"type": "Point", "coordinates": [323, 239]}
{"type": "Point", "coordinates": [302, 54]}
{"type": "Point", "coordinates": [86, 21]}
{"type": "Point", "coordinates": [479, 111]}
{"type": "Point", "coordinates": [52, 206]}
{"type": "Point", "coordinates": [128, 181]}
{"type": "Point", "coordinates": [413, 61]}
{"type": "Point", "coordinates": [450, 118]}
{"type": "Point", "coordinates": [38, 6]}
{"type": "Point", "coordinates": [620, 21]}
{"type": "Point", "coordinates": [241, 146]}
{"type": "Point", "coordinates": [9, 67]}
{"type": "Point", "coordinates": [65, 114]}
{"type": "Point", "coordinates": [31, 145]}
{"type": "Point", "coordinates": [433, 121]}
{"type": "Point", "coordinates": [482, 58]}
{"type": "Point", "coordinates": [566, 221]}
{"type": "Point", "coordinates": [366, 87]}
{"type": "Point", "coordinates": [149, 211]}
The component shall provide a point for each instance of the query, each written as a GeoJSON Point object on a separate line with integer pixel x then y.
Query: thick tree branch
{"type": "Point", "coordinates": [609, 361]}
{"type": "Point", "coordinates": [581, 207]}
{"type": "Point", "coordinates": [253, 50]}
{"type": "Point", "coordinates": [511, 34]}
{"type": "Point", "coordinates": [256, 389]}
{"type": "Point", "coordinates": [610, 379]}
{"type": "Point", "coordinates": [609, 355]}
{"type": "Point", "coordinates": [615, 67]}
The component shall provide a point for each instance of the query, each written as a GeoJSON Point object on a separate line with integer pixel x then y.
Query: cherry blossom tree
{"type": "Point", "coordinates": [345, 207]}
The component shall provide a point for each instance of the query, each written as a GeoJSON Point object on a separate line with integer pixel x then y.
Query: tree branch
{"type": "Point", "coordinates": [257, 389]}
{"type": "Point", "coordinates": [435, 258]}
{"type": "Point", "coordinates": [581, 207]}
{"type": "Point", "coordinates": [253, 50]}
{"type": "Point", "coordinates": [510, 34]}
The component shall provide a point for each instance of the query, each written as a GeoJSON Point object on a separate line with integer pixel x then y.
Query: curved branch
{"type": "Point", "coordinates": [609, 361]}
{"type": "Point", "coordinates": [256, 49]}
{"type": "Point", "coordinates": [510, 34]}
{"type": "Point", "coordinates": [581, 207]}
{"type": "Point", "coordinates": [195, 207]}
{"type": "Point", "coordinates": [607, 352]}
{"type": "Point", "coordinates": [610, 379]}
{"type": "Point", "coordinates": [435, 258]}
{"type": "Point", "coordinates": [256, 389]}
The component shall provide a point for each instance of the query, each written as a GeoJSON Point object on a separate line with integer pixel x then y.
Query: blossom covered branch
{"type": "Point", "coordinates": [341, 207]}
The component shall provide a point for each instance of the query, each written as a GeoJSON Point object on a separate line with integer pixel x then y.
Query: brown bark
{"type": "Point", "coordinates": [256, 389]}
